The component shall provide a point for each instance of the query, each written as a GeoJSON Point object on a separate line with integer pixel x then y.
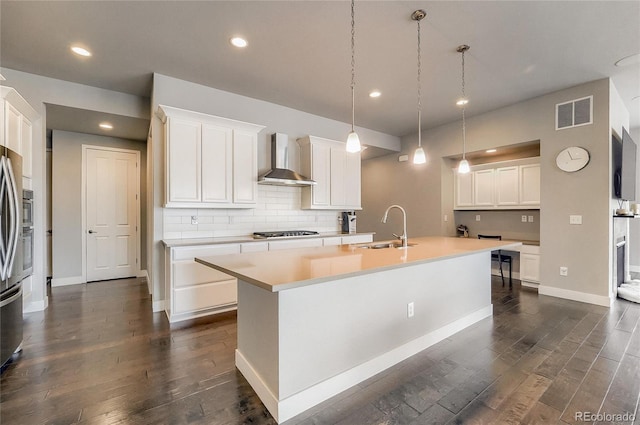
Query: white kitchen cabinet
{"type": "Point", "coordinates": [530, 265]}
{"type": "Point", "coordinates": [529, 179]}
{"type": "Point", "coordinates": [337, 174]}
{"type": "Point", "coordinates": [211, 162]}
{"type": "Point", "coordinates": [254, 247]}
{"type": "Point", "coordinates": [464, 189]}
{"type": "Point", "coordinates": [507, 186]}
{"type": "Point", "coordinates": [294, 243]}
{"type": "Point", "coordinates": [16, 127]}
{"type": "Point", "coordinates": [351, 239]}
{"type": "Point", "coordinates": [332, 241]}
{"type": "Point", "coordinates": [484, 187]}
{"type": "Point", "coordinates": [194, 290]}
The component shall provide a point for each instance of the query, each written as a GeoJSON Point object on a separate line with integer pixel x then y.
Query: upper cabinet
{"type": "Point", "coordinates": [336, 172]}
{"type": "Point", "coordinates": [16, 127]}
{"type": "Point", "coordinates": [509, 185]}
{"type": "Point", "coordinates": [211, 162]}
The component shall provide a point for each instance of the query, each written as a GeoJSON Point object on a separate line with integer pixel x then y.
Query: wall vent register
{"type": "Point", "coordinates": [283, 234]}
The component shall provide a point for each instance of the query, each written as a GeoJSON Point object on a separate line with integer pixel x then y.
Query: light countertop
{"type": "Point", "coordinates": [291, 268]}
{"type": "Point", "coordinates": [170, 243]}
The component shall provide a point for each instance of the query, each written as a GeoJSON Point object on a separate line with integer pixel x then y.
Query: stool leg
{"type": "Point", "coordinates": [510, 282]}
{"type": "Point", "coordinates": [501, 274]}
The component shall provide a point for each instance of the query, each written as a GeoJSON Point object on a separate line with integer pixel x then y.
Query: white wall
{"type": "Point", "coordinates": [634, 225]}
{"type": "Point", "coordinates": [66, 202]}
{"type": "Point", "coordinates": [274, 204]}
{"type": "Point", "coordinates": [425, 191]}
{"type": "Point", "coordinates": [39, 91]}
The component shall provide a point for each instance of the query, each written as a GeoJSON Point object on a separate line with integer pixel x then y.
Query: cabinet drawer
{"type": "Point", "coordinates": [254, 247]}
{"type": "Point", "coordinates": [189, 273]}
{"type": "Point", "coordinates": [301, 243]}
{"type": "Point", "coordinates": [189, 253]}
{"type": "Point", "coordinates": [357, 239]}
{"type": "Point", "coordinates": [204, 296]}
{"type": "Point", "coordinates": [337, 240]}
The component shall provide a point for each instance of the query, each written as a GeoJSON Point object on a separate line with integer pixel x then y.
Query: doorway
{"type": "Point", "coordinates": [111, 212]}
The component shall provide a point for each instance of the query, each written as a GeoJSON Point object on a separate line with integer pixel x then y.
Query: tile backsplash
{"type": "Point", "coordinates": [278, 208]}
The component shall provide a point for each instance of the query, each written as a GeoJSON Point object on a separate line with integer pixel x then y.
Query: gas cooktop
{"type": "Point", "coordinates": [283, 234]}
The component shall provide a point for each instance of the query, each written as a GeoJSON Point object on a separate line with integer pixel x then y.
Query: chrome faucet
{"type": "Point", "coordinates": [403, 237]}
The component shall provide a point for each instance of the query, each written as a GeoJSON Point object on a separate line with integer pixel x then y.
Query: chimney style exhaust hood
{"type": "Point", "coordinates": [280, 174]}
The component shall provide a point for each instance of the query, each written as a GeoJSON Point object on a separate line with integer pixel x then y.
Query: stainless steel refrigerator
{"type": "Point", "coordinates": [11, 270]}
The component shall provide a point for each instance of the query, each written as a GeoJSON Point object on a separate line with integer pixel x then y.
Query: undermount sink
{"type": "Point", "coordinates": [383, 245]}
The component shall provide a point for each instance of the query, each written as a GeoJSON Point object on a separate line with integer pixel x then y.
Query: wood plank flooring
{"type": "Point", "coordinates": [99, 355]}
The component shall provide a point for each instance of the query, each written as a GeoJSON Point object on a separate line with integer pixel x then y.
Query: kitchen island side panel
{"type": "Point", "coordinates": [258, 333]}
{"type": "Point", "coordinates": [330, 328]}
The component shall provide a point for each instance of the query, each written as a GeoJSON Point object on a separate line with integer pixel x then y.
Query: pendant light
{"type": "Point", "coordinates": [463, 167]}
{"type": "Point", "coordinates": [419, 156]}
{"type": "Point", "coordinates": [353, 141]}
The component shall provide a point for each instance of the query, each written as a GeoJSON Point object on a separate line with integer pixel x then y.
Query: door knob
{"type": "Point", "coordinates": [91, 231]}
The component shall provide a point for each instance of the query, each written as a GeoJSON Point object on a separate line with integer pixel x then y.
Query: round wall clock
{"type": "Point", "coordinates": [572, 159]}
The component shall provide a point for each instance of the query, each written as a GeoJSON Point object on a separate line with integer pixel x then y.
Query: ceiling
{"type": "Point", "coordinates": [299, 51]}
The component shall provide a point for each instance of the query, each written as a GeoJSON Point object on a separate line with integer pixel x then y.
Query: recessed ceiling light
{"type": "Point", "coordinates": [375, 93]}
{"type": "Point", "coordinates": [491, 150]}
{"type": "Point", "coordinates": [239, 42]}
{"type": "Point", "coordinates": [106, 126]}
{"type": "Point", "coordinates": [462, 102]}
{"type": "Point", "coordinates": [80, 51]}
{"type": "Point", "coordinates": [629, 60]}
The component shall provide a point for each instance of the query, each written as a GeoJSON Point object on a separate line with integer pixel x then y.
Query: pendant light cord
{"type": "Point", "coordinates": [464, 128]}
{"type": "Point", "coordinates": [353, 65]}
{"type": "Point", "coordinates": [419, 92]}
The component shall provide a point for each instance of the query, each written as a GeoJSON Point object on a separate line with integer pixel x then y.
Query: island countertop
{"type": "Point", "coordinates": [287, 269]}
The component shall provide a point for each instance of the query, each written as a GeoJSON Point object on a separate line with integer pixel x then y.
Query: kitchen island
{"type": "Point", "coordinates": [314, 322]}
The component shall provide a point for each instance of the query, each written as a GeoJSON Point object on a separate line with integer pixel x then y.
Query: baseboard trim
{"type": "Point", "coordinates": [158, 306]}
{"type": "Point", "coordinates": [34, 306]}
{"type": "Point", "coordinates": [635, 269]}
{"type": "Point", "coordinates": [65, 281]}
{"type": "Point", "coordinates": [582, 297]}
{"type": "Point", "coordinates": [289, 407]}
{"type": "Point", "coordinates": [143, 274]}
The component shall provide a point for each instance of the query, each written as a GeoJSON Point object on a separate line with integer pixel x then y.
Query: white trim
{"type": "Point", "coordinates": [83, 201]}
{"type": "Point", "coordinates": [573, 113]}
{"type": "Point", "coordinates": [158, 306]}
{"type": "Point", "coordinates": [34, 306]}
{"type": "Point", "coordinates": [66, 281]}
{"type": "Point", "coordinates": [635, 269]}
{"type": "Point", "coordinates": [283, 410]}
{"type": "Point", "coordinates": [582, 297]}
{"type": "Point", "coordinates": [527, 284]}
{"type": "Point", "coordinates": [143, 274]}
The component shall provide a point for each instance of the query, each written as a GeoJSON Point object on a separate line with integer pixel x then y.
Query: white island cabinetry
{"type": "Point", "coordinates": [16, 129]}
{"type": "Point", "coordinates": [211, 162]}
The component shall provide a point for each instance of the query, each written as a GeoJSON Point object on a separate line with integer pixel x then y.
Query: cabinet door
{"type": "Point", "coordinates": [245, 167]}
{"type": "Point", "coordinates": [338, 175]}
{"type": "Point", "coordinates": [217, 151]}
{"type": "Point", "coordinates": [464, 189]}
{"type": "Point", "coordinates": [352, 180]}
{"type": "Point", "coordinates": [13, 128]}
{"type": "Point", "coordinates": [183, 153]}
{"type": "Point", "coordinates": [321, 173]}
{"type": "Point", "coordinates": [27, 135]}
{"type": "Point", "coordinates": [530, 267]}
{"type": "Point", "coordinates": [507, 186]}
{"type": "Point", "coordinates": [530, 184]}
{"type": "Point", "coordinates": [484, 188]}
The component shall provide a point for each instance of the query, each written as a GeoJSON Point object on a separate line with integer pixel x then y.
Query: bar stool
{"type": "Point", "coordinates": [499, 257]}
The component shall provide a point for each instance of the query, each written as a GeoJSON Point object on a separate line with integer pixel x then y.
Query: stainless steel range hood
{"type": "Point", "coordinates": [280, 174]}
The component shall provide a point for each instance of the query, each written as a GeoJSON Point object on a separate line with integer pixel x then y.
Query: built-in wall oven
{"type": "Point", "coordinates": [27, 232]}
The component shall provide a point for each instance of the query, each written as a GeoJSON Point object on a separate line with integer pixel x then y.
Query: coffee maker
{"type": "Point", "coordinates": [463, 231]}
{"type": "Point", "coordinates": [348, 220]}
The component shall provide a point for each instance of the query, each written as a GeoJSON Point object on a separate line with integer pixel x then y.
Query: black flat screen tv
{"type": "Point", "coordinates": [625, 165]}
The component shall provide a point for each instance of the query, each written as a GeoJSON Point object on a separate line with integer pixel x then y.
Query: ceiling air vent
{"type": "Point", "coordinates": [574, 113]}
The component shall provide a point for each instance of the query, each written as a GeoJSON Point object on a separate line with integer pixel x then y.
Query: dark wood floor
{"type": "Point", "coordinates": [98, 355]}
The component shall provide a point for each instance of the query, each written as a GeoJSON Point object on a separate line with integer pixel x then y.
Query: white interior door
{"type": "Point", "coordinates": [111, 214]}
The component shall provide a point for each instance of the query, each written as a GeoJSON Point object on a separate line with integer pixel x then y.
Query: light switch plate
{"type": "Point", "coordinates": [524, 218]}
{"type": "Point", "coordinates": [478, 217]}
{"type": "Point", "coordinates": [575, 219]}
{"type": "Point", "coordinates": [446, 217]}
{"type": "Point", "coordinates": [530, 219]}
{"type": "Point", "coordinates": [194, 219]}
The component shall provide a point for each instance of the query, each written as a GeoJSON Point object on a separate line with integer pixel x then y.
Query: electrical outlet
{"type": "Point", "coordinates": [410, 310]}
{"type": "Point", "coordinates": [194, 219]}
{"type": "Point", "coordinates": [478, 217]}
{"type": "Point", "coordinates": [564, 271]}
{"type": "Point", "coordinates": [575, 219]}
{"type": "Point", "coordinates": [530, 219]}
{"type": "Point", "coordinates": [446, 217]}
{"type": "Point", "coordinates": [524, 218]}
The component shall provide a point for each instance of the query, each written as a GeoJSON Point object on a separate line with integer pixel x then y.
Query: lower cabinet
{"type": "Point", "coordinates": [194, 290]}
{"type": "Point", "coordinates": [530, 265]}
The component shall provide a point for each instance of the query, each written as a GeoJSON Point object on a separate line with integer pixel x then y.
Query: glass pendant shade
{"type": "Point", "coordinates": [463, 167]}
{"type": "Point", "coordinates": [353, 143]}
{"type": "Point", "coordinates": [419, 156]}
